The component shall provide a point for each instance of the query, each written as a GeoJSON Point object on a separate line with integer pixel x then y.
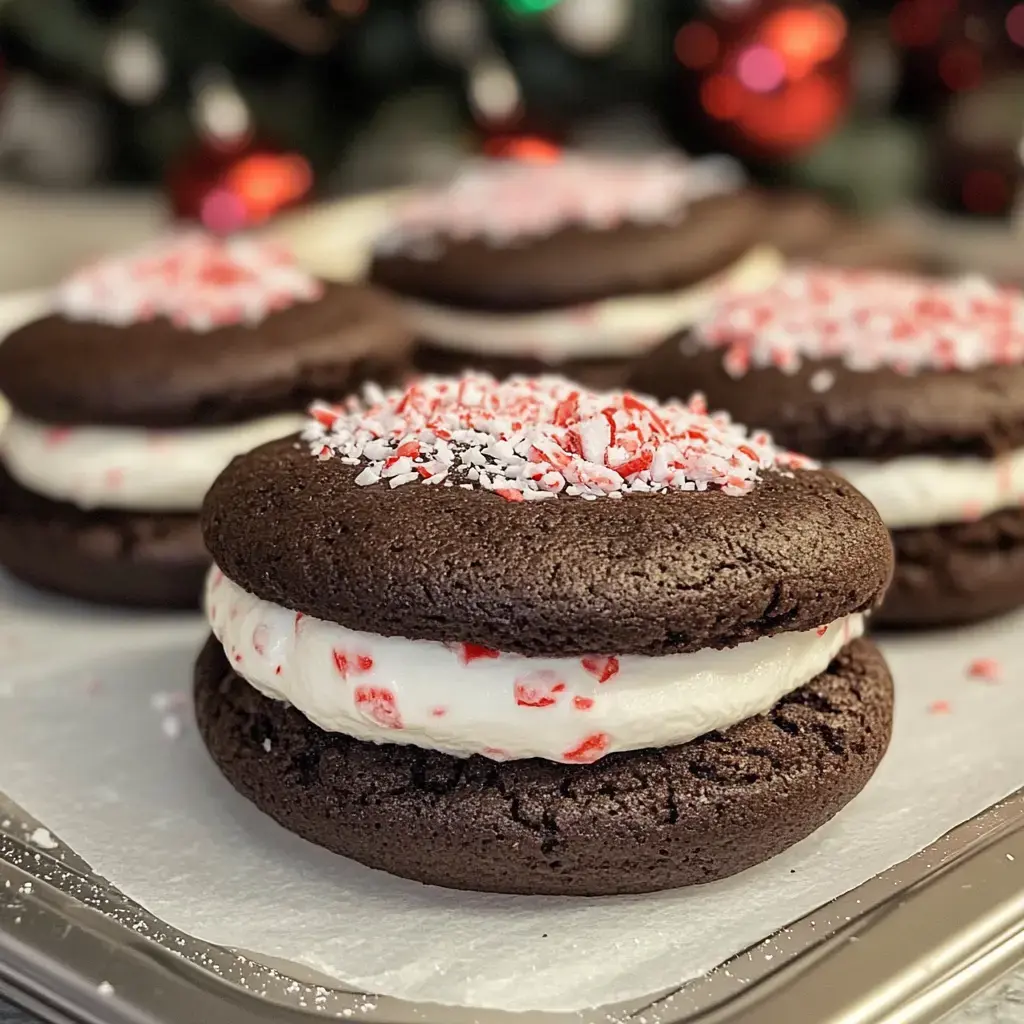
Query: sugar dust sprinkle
{"type": "Point", "coordinates": [532, 439]}
{"type": "Point", "coordinates": [43, 838]}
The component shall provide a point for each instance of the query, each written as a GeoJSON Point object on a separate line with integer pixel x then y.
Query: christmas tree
{"type": "Point", "coordinates": [242, 107]}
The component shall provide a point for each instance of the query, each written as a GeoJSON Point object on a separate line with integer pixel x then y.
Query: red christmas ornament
{"type": "Point", "coordinates": [227, 187]}
{"type": "Point", "coordinates": [771, 75]}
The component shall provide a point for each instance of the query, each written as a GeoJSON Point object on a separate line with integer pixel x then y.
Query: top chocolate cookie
{"type": "Point", "coordinates": [860, 364]}
{"type": "Point", "coordinates": [193, 331]}
{"type": "Point", "coordinates": [507, 236]}
{"type": "Point", "coordinates": [462, 510]}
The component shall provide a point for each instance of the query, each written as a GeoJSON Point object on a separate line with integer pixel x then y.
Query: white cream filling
{"type": "Point", "coordinates": [573, 710]}
{"type": "Point", "coordinates": [622, 326]}
{"type": "Point", "coordinates": [130, 467]}
{"type": "Point", "coordinates": [928, 490]}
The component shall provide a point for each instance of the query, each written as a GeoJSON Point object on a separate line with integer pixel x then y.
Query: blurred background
{"type": "Point", "coordinates": [231, 111]}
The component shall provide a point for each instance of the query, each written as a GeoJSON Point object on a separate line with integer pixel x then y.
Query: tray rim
{"type": "Point", "coordinates": [956, 906]}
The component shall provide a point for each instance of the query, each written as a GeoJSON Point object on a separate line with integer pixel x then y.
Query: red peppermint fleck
{"type": "Point", "coordinates": [438, 712]}
{"type": "Point", "coordinates": [988, 669]}
{"type": "Point", "coordinates": [538, 689]}
{"type": "Point", "coordinates": [971, 511]}
{"type": "Point", "coordinates": [349, 663]}
{"type": "Point", "coordinates": [583, 703]}
{"type": "Point", "coordinates": [940, 707]}
{"type": "Point", "coordinates": [410, 449]}
{"type": "Point", "coordinates": [379, 705]}
{"type": "Point", "coordinates": [114, 478]}
{"type": "Point", "coordinates": [324, 416]}
{"type": "Point", "coordinates": [496, 754]}
{"type": "Point", "coordinates": [473, 652]}
{"type": "Point", "coordinates": [822, 630]}
{"type": "Point", "coordinates": [588, 750]}
{"type": "Point", "coordinates": [57, 435]}
{"type": "Point", "coordinates": [259, 638]}
{"type": "Point", "coordinates": [277, 670]}
{"type": "Point", "coordinates": [509, 494]}
{"type": "Point", "coordinates": [298, 619]}
{"type": "Point", "coordinates": [601, 667]}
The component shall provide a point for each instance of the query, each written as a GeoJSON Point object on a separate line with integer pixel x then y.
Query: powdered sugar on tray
{"type": "Point", "coordinates": [530, 439]}
{"type": "Point", "coordinates": [504, 202]}
{"type": "Point", "coordinates": [199, 282]}
{"type": "Point", "coordinates": [868, 319]}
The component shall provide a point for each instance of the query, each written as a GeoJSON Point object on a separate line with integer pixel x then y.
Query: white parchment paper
{"type": "Point", "coordinates": [97, 741]}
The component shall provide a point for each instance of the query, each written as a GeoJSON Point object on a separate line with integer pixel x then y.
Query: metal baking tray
{"type": "Point", "coordinates": [906, 946]}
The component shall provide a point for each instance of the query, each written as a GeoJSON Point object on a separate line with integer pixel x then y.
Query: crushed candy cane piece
{"type": "Point", "coordinates": [197, 281]}
{"type": "Point", "coordinates": [988, 669]}
{"type": "Point", "coordinates": [868, 320]}
{"type": "Point", "coordinates": [528, 439]}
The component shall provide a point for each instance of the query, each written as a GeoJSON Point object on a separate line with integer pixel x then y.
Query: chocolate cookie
{"type": "Point", "coordinates": [574, 266]}
{"type": "Point", "coordinates": [911, 388]}
{"type": "Point", "coordinates": [145, 560]}
{"type": "Point", "coordinates": [152, 373]}
{"type": "Point", "coordinates": [956, 573]}
{"type": "Point", "coordinates": [687, 571]}
{"type": "Point", "coordinates": [577, 642]}
{"type": "Point", "coordinates": [630, 823]}
{"type": "Point", "coordinates": [155, 369]}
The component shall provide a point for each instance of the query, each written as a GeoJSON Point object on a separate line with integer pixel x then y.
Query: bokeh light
{"type": "Point", "coordinates": [985, 191]}
{"type": "Point", "coordinates": [696, 45]}
{"type": "Point", "coordinates": [722, 97]}
{"type": "Point", "coordinates": [960, 67]}
{"type": "Point", "coordinates": [528, 148]}
{"type": "Point", "coordinates": [1015, 25]}
{"type": "Point", "coordinates": [760, 68]}
{"type": "Point", "coordinates": [268, 182]}
{"type": "Point", "coordinates": [805, 37]}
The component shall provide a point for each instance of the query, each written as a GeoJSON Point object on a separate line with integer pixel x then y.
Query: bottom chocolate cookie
{"type": "Point", "coordinates": [142, 559]}
{"type": "Point", "coordinates": [630, 823]}
{"type": "Point", "coordinates": [601, 374]}
{"type": "Point", "coordinates": [956, 573]}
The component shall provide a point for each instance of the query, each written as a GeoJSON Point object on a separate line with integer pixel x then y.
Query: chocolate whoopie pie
{"type": "Point", "coordinates": [154, 371]}
{"type": "Point", "coordinates": [575, 266]}
{"type": "Point", "coordinates": [526, 638]}
{"type": "Point", "coordinates": [911, 388]}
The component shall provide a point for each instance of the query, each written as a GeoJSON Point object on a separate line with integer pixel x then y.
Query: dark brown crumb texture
{"type": "Point", "coordinates": [577, 265]}
{"type": "Point", "coordinates": [879, 414]}
{"type": "Point", "coordinates": [957, 573]}
{"type": "Point", "coordinates": [633, 822]}
{"type": "Point", "coordinates": [154, 374]}
{"type": "Point", "coordinates": [647, 574]}
{"type": "Point", "coordinates": [140, 559]}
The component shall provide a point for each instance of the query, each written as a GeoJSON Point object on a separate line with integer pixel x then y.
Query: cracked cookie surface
{"type": "Point", "coordinates": [633, 822]}
{"type": "Point", "coordinates": [647, 574]}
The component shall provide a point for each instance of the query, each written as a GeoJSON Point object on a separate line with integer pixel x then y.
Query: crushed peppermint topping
{"type": "Point", "coordinates": [868, 319]}
{"type": "Point", "coordinates": [197, 281]}
{"type": "Point", "coordinates": [531, 439]}
{"type": "Point", "coordinates": [507, 201]}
